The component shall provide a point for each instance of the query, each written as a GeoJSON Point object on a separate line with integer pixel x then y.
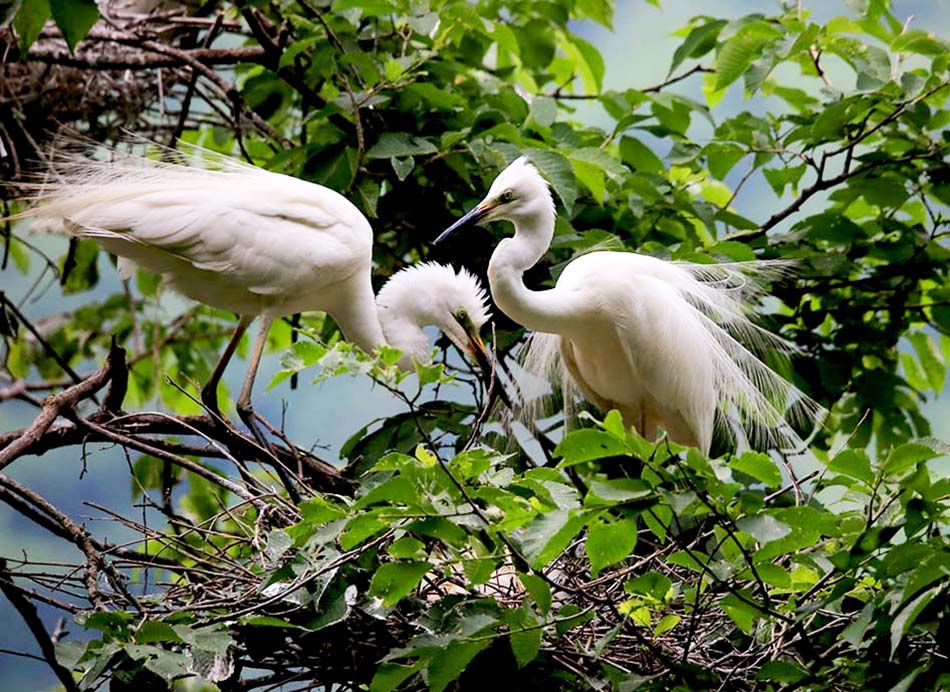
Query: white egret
{"type": "Point", "coordinates": [660, 341]}
{"type": "Point", "coordinates": [257, 243]}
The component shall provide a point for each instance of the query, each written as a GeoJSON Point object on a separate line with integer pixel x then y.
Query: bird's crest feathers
{"type": "Point", "coordinates": [432, 289]}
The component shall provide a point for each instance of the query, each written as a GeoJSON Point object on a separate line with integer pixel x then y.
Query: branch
{"type": "Point", "coordinates": [31, 617]}
{"type": "Point", "coordinates": [134, 60]}
{"type": "Point", "coordinates": [55, 404]}
{"type": "Point", "coordinates": [820, 185]}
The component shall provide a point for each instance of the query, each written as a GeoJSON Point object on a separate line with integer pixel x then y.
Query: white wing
{"type": "Point", "coordinates": [270, 233]}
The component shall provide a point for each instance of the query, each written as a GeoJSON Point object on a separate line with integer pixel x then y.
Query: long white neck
{"type": "Point", "coordinates": [537, 310]}
{"type": "Point", "coordinates": [358, 318]}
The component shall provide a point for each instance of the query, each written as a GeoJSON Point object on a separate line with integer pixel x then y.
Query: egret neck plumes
{"type": "Point", "coordinates": [665, 343]}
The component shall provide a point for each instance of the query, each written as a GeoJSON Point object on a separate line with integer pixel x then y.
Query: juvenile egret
{"type": "Point", "coordinates": [257, 243]}
{"type": "Point", "coordinates": [660, 341]}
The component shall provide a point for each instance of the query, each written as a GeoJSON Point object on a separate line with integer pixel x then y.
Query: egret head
{"type": "Point", "coordinates": [433, 294]}
{"type": "Point", "coordinates": [519, 194]}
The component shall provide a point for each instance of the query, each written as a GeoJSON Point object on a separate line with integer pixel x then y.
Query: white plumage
{"type": "Point", "coordinates": [243, 239]}
{"type": "Point", "coordinates": [669, 345]}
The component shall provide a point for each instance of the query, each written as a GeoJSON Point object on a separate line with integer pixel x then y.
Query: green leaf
{"type": "Point", "coordinates": [930, 360]}
{"type": "Point", "coordinates": [402, 167]}
{"type": "Point", "coordinates": [558, 170]}
{"type": "Point", "coordinates": [390, 676]}
{"type": "Point", "coordinates": [548, 535]}
{"type": "Point", "coordinates": [536, 43]}
{"type": "Point", "coordinates": [278, 543]}
{"type": "Point", "coordinates": [214, 638]}
{"type": "Point", "coordinates": [764, 528]}
{"type": "Point", "coordinates": [400, 144]}
{"type": "Point", "coordinates": [168, 665]}
{"type": "Point", "coordinates": [779, 178]}
{"type": "Point", "coordinates": [407, 548]}
{"type": "Point", "coordinates": [697, 43]}
{"type": "Point", "coordinates": [525, 645]}
{"type": "Point", "coordinates": [593, 178]}
{"type": "Point", "coordinates": [156, 631]}
{"type": "Point", "coordinates": [610, 542]}
{"type": "Point", "coordinates": [74, 18]}
{"type": "Point", "coordinates": [29, 21]}
{"type": "Point", "coordinates": [737, 54]}
{"type": "Point", "coordinates": [920, 42]}
{"type": "Point", "coordinates": [782, 671]}
{"type": "Point", "coordinates": [538, 589]}
{"type": "Point", "coordinates": [760, 466]}
{"type": "Point", "coordinates": [543, 110]}
{"type": "Point", "coordinates": [853, 463]}
{"type": "Point", "coordinates": [588, 444]}
{"type": "Point", "coordinates": [449, 663]}
{"type": "Point", "coordinates": [740, 612]}
{"type": "Point", "coordinates": [666, 623]}
{"type": "Point", "coordinates": [639, 156]}
{"type": "Point", "coordinates": [589, 62]}
{"type": "Point", "coordinates": [908, 614]}
{"type": "Point", "coordinates": [395, 580]}
{"type": "Point", "coordinates": [652, 584]}
{"type": "Point", "coordinates": [906, 457]}
{"type": "Point", "coordinates": [601, 11]}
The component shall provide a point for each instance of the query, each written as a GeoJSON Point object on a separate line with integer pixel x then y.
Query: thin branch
{"type": "Point", "coordinates": [31, 617]}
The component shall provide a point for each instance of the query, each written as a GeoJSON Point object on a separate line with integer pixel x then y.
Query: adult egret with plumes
{"type": "Point", "coordinates": [668, 344]}
{"type": "Point", "coordinates": [259, 244]}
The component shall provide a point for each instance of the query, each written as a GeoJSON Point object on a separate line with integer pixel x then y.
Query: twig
{"type": "Point", "coordinates": [31, 617]}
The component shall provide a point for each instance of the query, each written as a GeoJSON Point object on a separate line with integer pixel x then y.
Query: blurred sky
{"type": "Point", "coordinates": [637, 54]}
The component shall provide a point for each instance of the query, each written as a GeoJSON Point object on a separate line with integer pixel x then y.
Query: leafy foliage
{"type": "Point", "coordinates": [447, 556]}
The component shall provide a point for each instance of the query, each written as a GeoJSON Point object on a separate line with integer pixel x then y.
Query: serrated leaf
{"type": "Point", "coordinates": [390, 676]}
{"type": "Point", "coordinates": [740, 612]}
{"type": "Point", "coordinates": [697, 43]}
{"type": "Point", "coordinates": [525, 645]}
{"type": "Point", "coordinates": [764, 528]}
{"type": "Point", "coordinates": [905, 457]}
{"type": "Point", "coordinates": [760, 466]}
{"type": "Point", "coordinates": [395, 580]}
{"type": "Point", "coordinates": [781, 671]}
{"type": "Point", "coordinates": [587, 444]}
{"type": "Point", "coordinates": [538, 589]}
{"type": "Point", "coordinates": [400, 144]}
{"type": "Point", "coordinates": [666, 623]}
{"type": "Point", "coordinates": [610, 542]}
{"type": "Point", "coordinates": [449, 663]}
{"type": "Point", "coordinates": [29, 21]}
{"type": "Point", "coordinates": [558, 170]}
{"type": "Point", "coordinates": [738, 52]}
{"type": "Point", "coordinates": [156, 631]}
{"type": "Point", "coordinates": [74, 18]}
{"type": "Point", "coordinates": [639, 156]}
{"type": "Point", "coordinates": [548, 535]}
{"type": "Point", "coordinates": [853, 463]}
{"type": "Point", "coordinates": [908, 614]}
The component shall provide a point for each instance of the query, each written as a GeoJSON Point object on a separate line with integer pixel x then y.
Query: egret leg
{"type": "Point", "coordinates": [209, 393]}
{"type": "Point", "coordinates": [244, 407]}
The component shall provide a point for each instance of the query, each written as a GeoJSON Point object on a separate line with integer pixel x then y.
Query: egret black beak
{"type": "Point", "coordinates": [479, 353]}
{"type": "Point", "coordinates": [470, 219]}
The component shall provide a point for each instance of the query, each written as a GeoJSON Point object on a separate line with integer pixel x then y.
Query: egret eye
{"type": "Point", "coordinates": [461, 315]}
{"type": "Point", "coordinates": [507, 196]}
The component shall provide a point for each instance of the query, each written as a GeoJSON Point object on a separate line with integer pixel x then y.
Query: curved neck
{"type": "Point", "coordinates": [537, 310]}
{"type": "Point", "coordinates": [359, 321]}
